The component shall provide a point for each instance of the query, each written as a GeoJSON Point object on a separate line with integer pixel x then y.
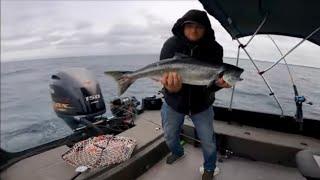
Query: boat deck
{"type": "Point", "coordinates": [242, 169]}
{"type": "Point", "coordinates": [269, 148]}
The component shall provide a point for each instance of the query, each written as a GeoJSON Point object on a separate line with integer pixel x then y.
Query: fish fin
{"type": "Point", "coordinates": [157, 79]}
{"type": "Point", "coordinates": [178, 55]}
{"type": "Point", "coordinates": [123, 81]}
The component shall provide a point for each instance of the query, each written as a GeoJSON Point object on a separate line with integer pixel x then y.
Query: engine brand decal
{"type": "Point", "coordinates": [61, 106]}
{"type": "Point", "coordinates": [93, 97]}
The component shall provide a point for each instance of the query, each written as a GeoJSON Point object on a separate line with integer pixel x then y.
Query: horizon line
{"type": "Point", "coordinates": [138, 54]}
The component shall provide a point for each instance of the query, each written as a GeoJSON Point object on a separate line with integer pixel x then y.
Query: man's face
{"type": "Point", "coordinates": [193, 31]}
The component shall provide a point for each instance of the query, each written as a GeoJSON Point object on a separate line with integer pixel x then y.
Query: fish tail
{"type": "Point", "coordinates": [123, 81]}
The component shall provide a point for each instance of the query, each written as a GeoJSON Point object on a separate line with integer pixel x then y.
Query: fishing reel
{"type": "Point", "coordinates": [124, 101]}
{"type": "Point", "coordinates": [125, 109]}
{"type": "Point", "coordinates": [299, 112]}
{"type": "Point", "coordinates": [299, 99]}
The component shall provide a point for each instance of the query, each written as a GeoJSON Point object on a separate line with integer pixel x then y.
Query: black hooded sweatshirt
{"type": "Point", "coordinates": [192, 99]}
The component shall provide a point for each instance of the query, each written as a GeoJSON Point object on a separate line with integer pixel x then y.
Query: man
{"type": "Point", "coordinates": [193, 36]}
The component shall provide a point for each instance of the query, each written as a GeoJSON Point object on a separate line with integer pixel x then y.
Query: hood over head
{"type": "Point", "coordinates": [196, 16]}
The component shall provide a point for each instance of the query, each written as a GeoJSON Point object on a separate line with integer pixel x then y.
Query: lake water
{"type": "Point", "coordinates": [28, 120]}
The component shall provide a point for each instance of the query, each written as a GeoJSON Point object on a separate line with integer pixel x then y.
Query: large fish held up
{"type": "Point", "coordinates": [192, 71]}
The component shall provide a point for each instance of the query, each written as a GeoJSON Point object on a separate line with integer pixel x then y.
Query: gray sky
{"type": "Point", "coordinates": [46, 29]}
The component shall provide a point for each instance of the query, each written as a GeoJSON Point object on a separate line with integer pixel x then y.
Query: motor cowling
{"type": "Point", "coordinates": [75, 92]}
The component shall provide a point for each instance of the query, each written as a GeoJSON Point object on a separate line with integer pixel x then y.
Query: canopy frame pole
{"type": "Point", "coordinates": [238, 53]}
{"type": "Point", "coordinates": [242, 46]}
{"type": "Point", "coordinates": [257, 30]}
{"type": "Point", "coordinates": [294, 47]}
{"type": "Point", "coordinates": [265, 81]}
{"type": "Point", "coordinates": [233, 88]}
{"type": "Point", "coordinates": [254, 64]}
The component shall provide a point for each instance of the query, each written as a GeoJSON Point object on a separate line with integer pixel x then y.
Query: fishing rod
{"type": "Point", "coordinates": [299, 100]}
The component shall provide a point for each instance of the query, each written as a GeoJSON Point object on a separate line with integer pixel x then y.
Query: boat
{"type": "Point", "coordinates": [251, 145]}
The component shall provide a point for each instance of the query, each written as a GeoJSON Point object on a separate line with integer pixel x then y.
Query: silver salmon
{"type": "Point", "coordinates": [192, 71]}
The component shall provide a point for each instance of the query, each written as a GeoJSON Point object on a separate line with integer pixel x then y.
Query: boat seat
{"type": "Point", "coordinates": [308, 163]}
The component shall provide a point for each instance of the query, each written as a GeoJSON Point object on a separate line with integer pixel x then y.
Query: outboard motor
{"type": "Point", "coordinates": [77, 97]}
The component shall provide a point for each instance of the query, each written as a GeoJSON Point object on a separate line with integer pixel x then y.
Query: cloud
{"type": "Point", "coordinates": [23, 44]}
{"type": "Point", "coordinates": [83, 25]}
{"type": "Point", "coordinates": [55, 29]}
{"type": "Point", "coordinates": [67, 27]}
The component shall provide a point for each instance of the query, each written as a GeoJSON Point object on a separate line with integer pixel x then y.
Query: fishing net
{"type": "Point", "coordinates": [104, 150]}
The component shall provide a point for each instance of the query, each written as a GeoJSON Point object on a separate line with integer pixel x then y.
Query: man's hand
{"type": "Point", "coordinates": [221, 83]}
{"type": "Point", "coordinates": [171, 81]}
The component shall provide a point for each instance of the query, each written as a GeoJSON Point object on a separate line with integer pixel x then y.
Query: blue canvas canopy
{"type": "Point", "coordinates": [297, 18]}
